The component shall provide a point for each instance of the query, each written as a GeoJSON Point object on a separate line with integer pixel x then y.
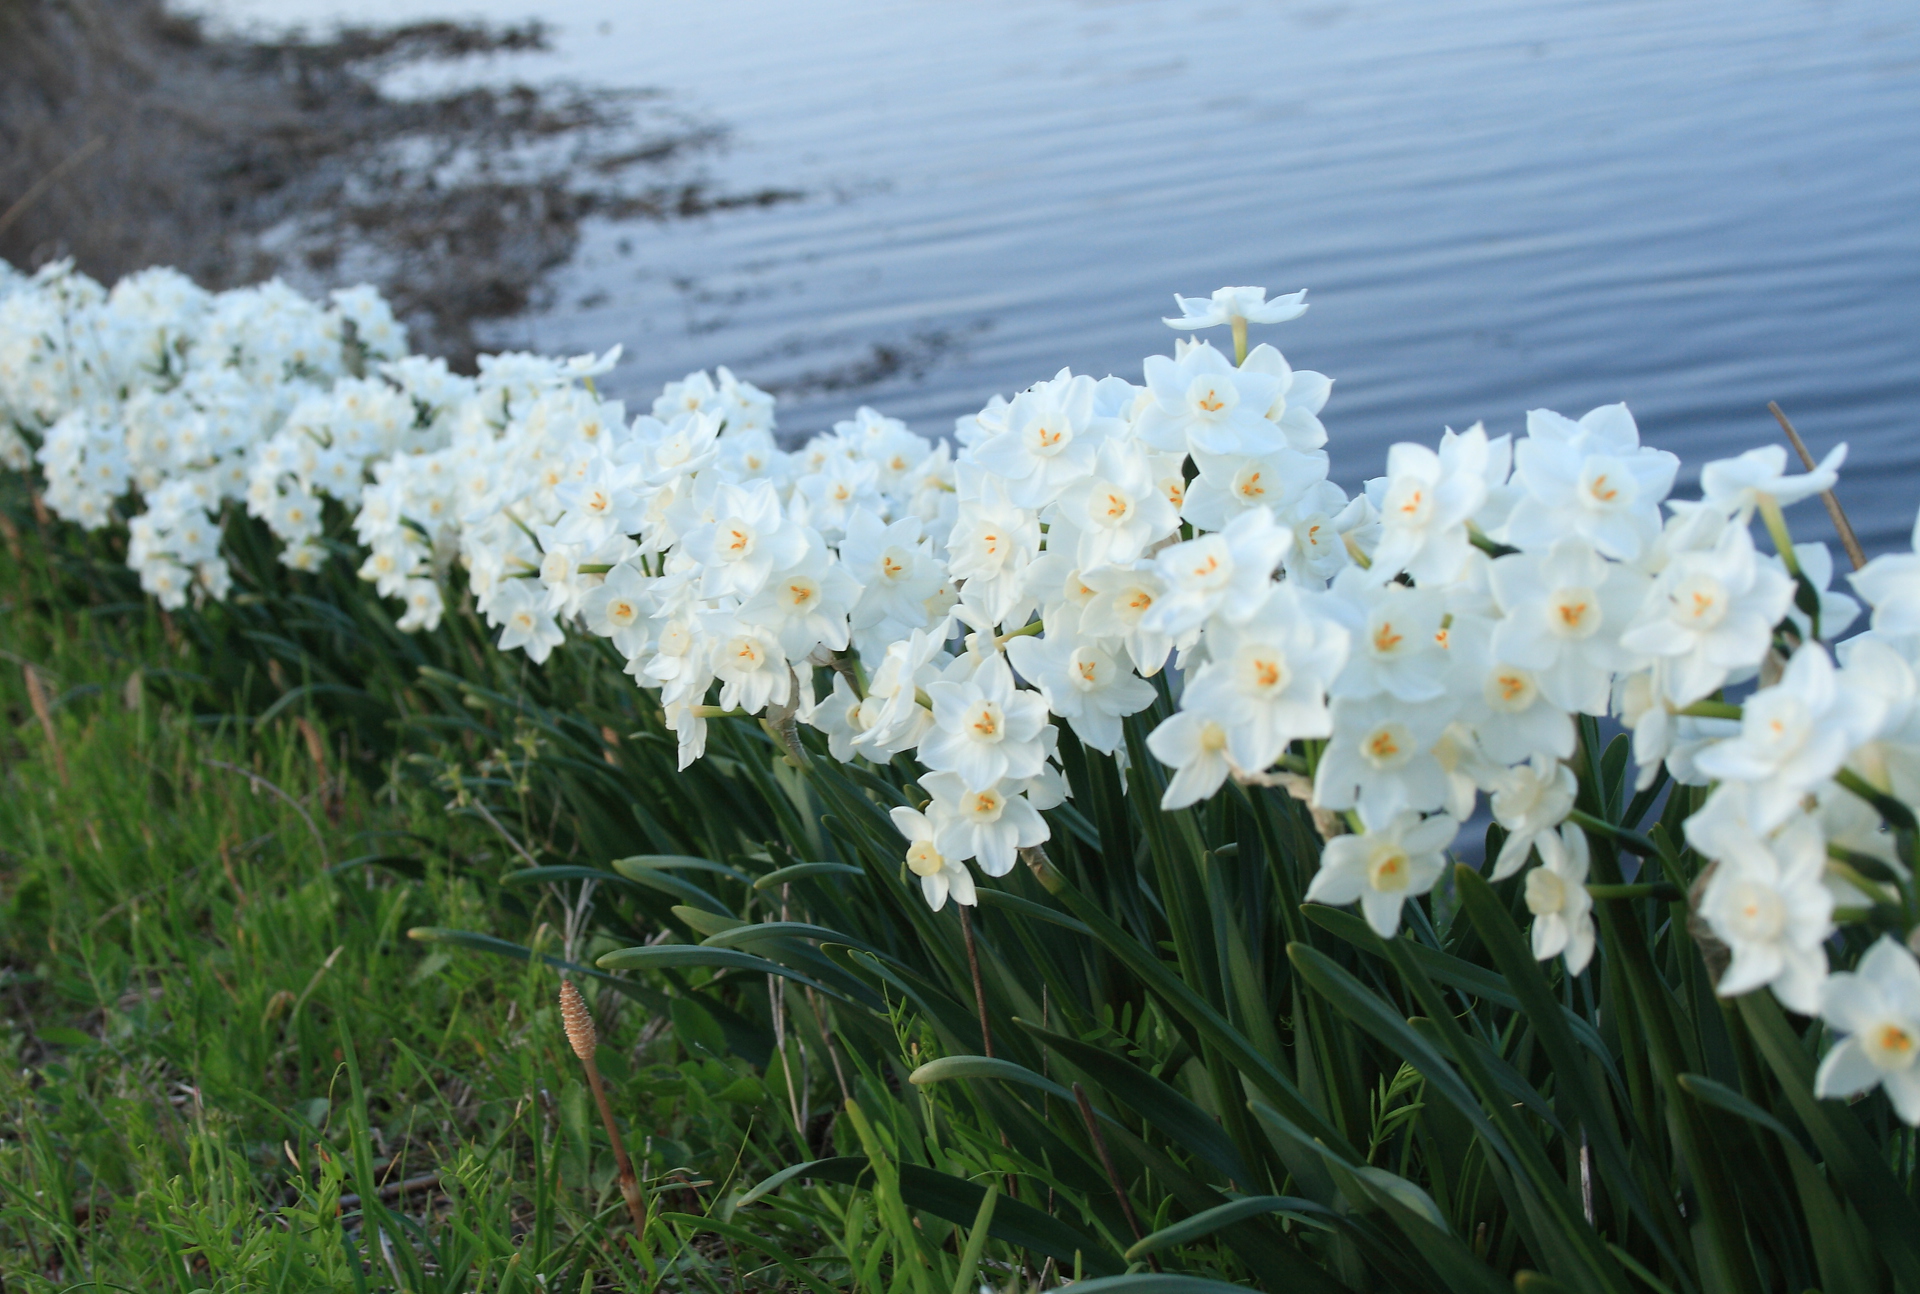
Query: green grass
{"type": "Point", "coordinates": [239, 996]}
{"type": "Point", "coordinates": [216, 1028]}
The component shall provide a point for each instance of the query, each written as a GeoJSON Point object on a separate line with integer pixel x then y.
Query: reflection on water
{"type": "Point", "coordinates": [1497, 204]}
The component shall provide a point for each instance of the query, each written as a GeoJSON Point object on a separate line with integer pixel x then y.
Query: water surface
{"type": "Point", "coordinates": [1497, 204]}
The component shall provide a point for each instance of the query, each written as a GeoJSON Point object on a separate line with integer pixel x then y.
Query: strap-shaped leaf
{"type": "Point", "coordinates": [680, 863]}
{"type": "Point", "coordinates": [565, 872]}
{"type": "Point", "coordinates": [1360, 1005]}
{"type": "Point", "coordinates": [749, 933]}
{"type": "Point", "coordinates": [1170, 988]}
{"type": "Point", "coordinates": [1202, 1225]}
{"type": "Point", "coordinates": [1844, 1264]}
{"type": "Point", "coordinates": [1156, 1283]}
{"type": "Point", "coordinates": [683, 956]}
{"type": "Point", "coordinates": [656, 878]}
{"type": "Point", "coordinates": [1160, 1104]}
{"type": "Point", "coordinates": [1850, 1155]}
{"type": "Point", "coordinates": [1572, 1078]}
{"type": "Point", "coordinates": [654, 1000]}
{"type": "Point", "coordinates": [803, 872]}
{"type": "Point", "coordinates": [1440, 967]}
{"type": "Point", "coordinates": [947, 1068]}
{"type": "Point", "coordinates": [706, 923]}
{"type": "Point", "coordinates": [957, 1200]}
{"type": "Point", "coordinates": [743, 1036]}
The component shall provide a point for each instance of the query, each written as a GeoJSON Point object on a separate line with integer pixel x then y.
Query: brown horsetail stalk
{"type": "Point", "coordinates": [1840, 523]}
{"type": "Point", "coordinates": [973, 965]}
{"type": "Point", "coordinates": [584, 1039]}
{"type": "Point", "coordinates": [1113, 1175]}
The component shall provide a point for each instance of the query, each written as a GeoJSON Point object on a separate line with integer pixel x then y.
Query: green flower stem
{"type": "Point", "coordinates": [1776, 524]}
{"type": "Point", "coordinates": [1632, 841]}
{"type": "Point", "coordinates": [1664, 891]}
{"type": "Point", "coordinates": [1896, 814]}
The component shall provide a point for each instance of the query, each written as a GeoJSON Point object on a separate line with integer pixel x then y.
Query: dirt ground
{"type": "Point", "coordinates": [131, 136]}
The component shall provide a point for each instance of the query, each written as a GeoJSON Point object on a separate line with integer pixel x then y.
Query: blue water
{"type": "Point", "coordinates": [1497, 204]}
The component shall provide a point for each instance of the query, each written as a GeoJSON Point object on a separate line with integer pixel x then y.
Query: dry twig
{"type": "Point", "coordinates": [1840, 523]}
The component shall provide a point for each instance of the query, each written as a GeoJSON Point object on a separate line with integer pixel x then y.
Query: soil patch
{"type": "Point", "coordinates": [131, 135]}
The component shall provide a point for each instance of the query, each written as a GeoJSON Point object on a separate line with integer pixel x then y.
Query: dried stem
{"type": "Point", "coordinates": [1840, 523]}
{"type": "Point", "coordinates": [47, 181]}
{"type": "Point", "coordinates": [826, 1038]}
{"type": "Point", "coordinates": [256, 781]}
{"type": "Point", "coordinates": [584, 1039]}
{"type": "Point", "coordinates": [505, 835]}
{"type": "Point", "coordinates": [43, 711]}
{"type": "Point", "coordinates": [973, 964]}
{"type": "Point", "coordinates": [1106, 1161]}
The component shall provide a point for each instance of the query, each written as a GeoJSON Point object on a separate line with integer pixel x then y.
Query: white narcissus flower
{"type": "Point", "coordinates": [1266, 680]}
{"type": "Point", "coordinates": [1890, 584]}
{"type": "Point", "coordinates": [424, 607]}
{"type": "Point", "coordinates": [1057, 589]}
{"type": "Point", "coordinates": [752, 669]}
{"type": "Point", "coordinates": [525, 623]}
{"type": "Point", "coordinates": [1389, 864]}
{"type": "Point", "coordinates": [989, 823]}
{"type": "Point", "coordinates": [1837, 610]}
{"type": "Point", "coordinates": [1395, 633]}
{"type": "Point", "coordinates": [940, 877]}
{"type": "Point", "coordinates": [1230, 484]}
{"type": "Point", "coordinates": [806, 605]}
{"type": "Point", "coordinates": [1794, 736]}
{"type": "Point", "coordinates": [984, 729]}
{"type": "Point", "coordinates": [1117, 509]}
{"type": "Point", "coordinates": [749, 539]}
{"type": "Point", "coordinates": [839, 715]}
{"type": "Point", "coordinates": [1590, 478]}
{"type": "Point", "coordinates": [1228, 573]}
{"type": "Point", "coordinates": [1735, 485]}
{"type": "Point", "coordinates": [826, 499]}
{"type": "Point", "coordinates": [1765, 900]}
{"type": "Point", "coordinates": [897, 570]}
{"type": "Point", "coordinates": [1380, 758]}
{"type": "Point", "coordinates": [602, 502]}
{"type": "Point", "coordinates": [1050, 440]}
{"type": "Point", "coordinates": [1564, 611]}
{"type": "Point", "coordinates": [1083, 683]}
{"type": "Point", "coordinates": [1322, 522]}
{"type": "Point", "coordinates": [1228, 304]}
{"type": "Point", "coordinates": [1122, 597]}
{"type": "Point", "coordinates": [1202, 402]}
{"type": "Point", "coordinates": [1557, 896]}
{"type": "Point", "coordinates": [891, 717]}
{"type": "Point", "coordinates": [1877, 1008]}
{"type": "Point", "coordinates": [1297, 403]}
{"type": "Point", "coordinates": [1426, 498]}
{"type": "Point", "coordinates": [1890, 760]}
{"type": "Point", "coordinates": [1195, 747]}
{"type": "Point", "coordinates": [1530, 800]}
{"type": "Point", "coordinates": [1514, 720]}
{"type": "Point", "coordinates": [1709, 614]}
{"type": "Point", "coordinates": [992, 545]}
{"type": "Point", "coordinates": [620, 609]}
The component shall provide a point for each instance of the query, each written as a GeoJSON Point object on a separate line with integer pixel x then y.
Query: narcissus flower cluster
{"type": "Point", "coordinates": [1167, 545]}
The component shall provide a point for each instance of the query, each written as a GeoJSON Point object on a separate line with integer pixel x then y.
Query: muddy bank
{"type": "Point", "coordinates": [131, 135]}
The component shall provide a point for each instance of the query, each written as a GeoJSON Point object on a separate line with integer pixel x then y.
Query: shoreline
{"type": "Point", "coordinates": [132, 135]}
